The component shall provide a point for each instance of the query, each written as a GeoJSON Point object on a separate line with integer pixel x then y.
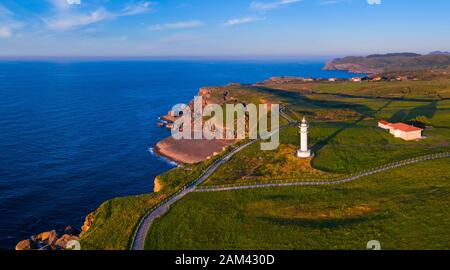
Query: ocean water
{"type": "Point", "coordinates": [76, 133]}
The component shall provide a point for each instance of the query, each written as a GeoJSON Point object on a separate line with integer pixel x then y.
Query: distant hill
{"type": "Point", "coordinates": [393, 62]}
{"type": "Point", "coordinates": [439, 53]}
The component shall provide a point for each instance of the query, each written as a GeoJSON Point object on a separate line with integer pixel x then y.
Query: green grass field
{"type": "Point", "coordinates": [427, 89]}
{"type": "Point", "coordinates": [407, 208]}
{"type": "Point", "coordinates": [115, 221]}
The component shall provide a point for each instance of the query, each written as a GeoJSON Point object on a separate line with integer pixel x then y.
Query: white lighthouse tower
{"type": "Point", "coordinates": [304, 151]}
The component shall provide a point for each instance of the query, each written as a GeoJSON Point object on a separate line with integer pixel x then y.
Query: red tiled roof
{"type": "Point", "coordinates": [383, 122]}
{"type": "Point", "coordinates": [404, 127]}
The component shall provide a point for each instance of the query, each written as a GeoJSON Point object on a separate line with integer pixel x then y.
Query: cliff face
{"type": "Point", "coordinates": [87, 223]}
{"type": "Point", "coordinates": [352, 67]}
{"type": "Point", "coordinates": [157, 185]}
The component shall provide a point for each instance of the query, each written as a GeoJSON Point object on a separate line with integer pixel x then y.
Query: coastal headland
{"type": "Point", "coordinates": [343, 116]}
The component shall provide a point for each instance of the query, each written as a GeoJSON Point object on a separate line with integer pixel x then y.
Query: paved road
{"type": "Point", "coordinates": [322, 183]}
{"type": "Point", "coordinates": [138, 243]}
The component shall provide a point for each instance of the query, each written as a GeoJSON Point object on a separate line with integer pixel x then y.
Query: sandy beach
{"type": "Point", "coordinates": [190, 151]}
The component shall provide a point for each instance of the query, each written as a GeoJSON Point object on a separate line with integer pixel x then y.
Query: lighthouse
{"type": "Point", "coordinates": [304, 151]}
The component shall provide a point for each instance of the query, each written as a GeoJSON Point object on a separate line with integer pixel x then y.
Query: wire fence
{"type": "Point", "coordinates": [322, 181]}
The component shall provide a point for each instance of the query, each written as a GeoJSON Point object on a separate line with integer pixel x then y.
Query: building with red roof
{"type": "Point", "coordinates": [402, 130]}
{"type": "Point", "coordinates": [383, 124]}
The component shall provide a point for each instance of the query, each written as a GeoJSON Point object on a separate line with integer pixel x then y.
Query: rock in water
{"type": "Point", "coordinates": [25, 245]}
{"type": "Point", "coordinates": [47, 237]}
{"type": "Point", "coordinates": [61, 243]}
{"type": "Point", "coordinates": [53, 236]}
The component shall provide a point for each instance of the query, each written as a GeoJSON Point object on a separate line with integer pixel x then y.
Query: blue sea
{"type": "Point", "coordinates": [74, 133]}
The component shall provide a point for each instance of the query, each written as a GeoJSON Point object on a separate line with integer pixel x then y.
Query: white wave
{"type": "Point", "coordinates": [173, 163]}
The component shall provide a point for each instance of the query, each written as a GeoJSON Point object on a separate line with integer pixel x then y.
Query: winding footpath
{"type": "Point", "coordinates": [144, 226]}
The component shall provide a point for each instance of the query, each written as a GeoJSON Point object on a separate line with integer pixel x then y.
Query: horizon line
{"type": "Point", "coordinates": [24, 57]}
{"type": "Point", "coordinates": [189, 57]}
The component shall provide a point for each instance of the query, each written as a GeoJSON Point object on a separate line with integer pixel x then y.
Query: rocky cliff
{"type": "Point", "coordinates": [157, 185]}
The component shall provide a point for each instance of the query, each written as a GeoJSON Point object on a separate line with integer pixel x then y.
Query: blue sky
{"type": "Point", "coordinates": [221, 27]}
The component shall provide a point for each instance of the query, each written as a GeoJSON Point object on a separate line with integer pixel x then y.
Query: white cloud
{"type": "Point", "coordinates": [374, 2]}
{"type": "Point", "coordinates": [5, 32]}
{"type": "Point", "coordinates": [242, 20]}
{"type": "Point", "coordinates": [7, 22]}
{"type": "Point", "coordinates": [67, 20]}
{"type": "Point", "coordinates": [138, 8]}
{"type": "Point", "coordinates": [73, 2]}
{"type": "Point", "coordinates": [263, 6]}
{"type": "Point", "coordinates": [63, 4]}
{"type": "Point", "coordinates": [70, 21]}
{"type": "Point", "coordinates": [178, 25]}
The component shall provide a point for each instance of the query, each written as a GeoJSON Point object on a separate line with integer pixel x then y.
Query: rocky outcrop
{"type": "Point", "coordinates": [61, 243]}
{"type": "Point", "coordinates": [157, 185]}
{"type": "Point", "coordinates": [25, 245]}
{"type": "Point", "coordinates": [55, 240]}
{"type": "Point", "coordinates": [49, 237]}
{"type": "Point", "coordinates": [88, 221]}
{"type": "Point", "coordinates": [50, 240]}
{"type": "Point", "coordinates": [352, 68]}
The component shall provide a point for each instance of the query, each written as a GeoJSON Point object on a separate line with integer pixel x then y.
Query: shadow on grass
{"type": "Point", "coordinates": [298, 99]}
{"type": "Point", "coordinates": [399, 116]}
{"type": "Point", "coordinates": [278, 197]}
{"type": "Point", "coordinates": [428, 111]}
{"type": "Point", "coordinates": [319, 145]}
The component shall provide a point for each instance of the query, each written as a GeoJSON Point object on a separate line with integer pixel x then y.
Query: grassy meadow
{"type": "Point", "coordinates": [404, 209]}
{"type": "Point", "coordinates": [407, 208]}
